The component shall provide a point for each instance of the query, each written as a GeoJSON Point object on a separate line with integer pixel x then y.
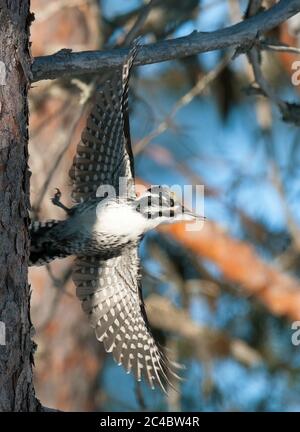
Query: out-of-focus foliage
{"type": "Point", "coordinates": [231, 320]}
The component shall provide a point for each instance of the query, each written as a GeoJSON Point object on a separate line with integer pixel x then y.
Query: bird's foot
{"type": "Point", "coordinates": [56, 201]}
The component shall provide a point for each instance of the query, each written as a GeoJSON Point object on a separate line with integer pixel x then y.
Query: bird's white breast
{"type": "Point", "coordinates": [120, 220]}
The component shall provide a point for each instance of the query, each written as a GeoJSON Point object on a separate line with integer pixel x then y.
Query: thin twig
{"type": "Point", "coordinates": [254, 58]}
{"type": "Point", "coordinates": [137, 26]}
{"type": "Point", "coordinates": [205, 340]}
{"type": "Point", "coordinates": [37, 205]}
{"type": "Point", "coordinates": [183, 101]}
{"type": "Point", "coordinates": [85, 97]}
{"type": "Point", "coordinates": [279, 47]}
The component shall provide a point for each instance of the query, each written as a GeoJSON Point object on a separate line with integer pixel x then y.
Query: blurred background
{"type": "Point", "coordinates": [223, 299]}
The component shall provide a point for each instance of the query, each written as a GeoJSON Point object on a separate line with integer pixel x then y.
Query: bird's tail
{"type": "Point", "coordinates": [44, 248]}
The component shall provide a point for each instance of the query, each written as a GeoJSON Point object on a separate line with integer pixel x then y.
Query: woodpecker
{"type": "Point", "coordinates": [104, 232]}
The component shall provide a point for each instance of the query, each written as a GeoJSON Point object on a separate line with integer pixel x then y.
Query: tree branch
{"type": "Point", "coordinates": [66, 64]}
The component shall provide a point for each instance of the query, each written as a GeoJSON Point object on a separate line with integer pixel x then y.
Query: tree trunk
{"type": "Point", "coordinates": [16, 347]}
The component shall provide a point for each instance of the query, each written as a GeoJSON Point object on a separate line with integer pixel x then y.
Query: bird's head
{"type": "Point", "coordinates": [130, 219]}
{"type": "Point", "coordinates": [159, 205]}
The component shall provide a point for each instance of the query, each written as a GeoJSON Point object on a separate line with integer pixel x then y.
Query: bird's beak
{"type": "Point", "coordinates": [189, 215]}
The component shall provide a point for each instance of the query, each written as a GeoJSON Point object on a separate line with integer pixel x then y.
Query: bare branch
{"type": "Point", "coordinates": [267, 89]}
{"type": "Point", "coordinates": [290, 111]}
{"type": "Point", "coordinates": [138, 24]}
{"type": "Point", "coordinates": [207, 342]}
{"type": "Point", "coordinates": [279, 47]}
{"type": "Point", "coordinates": [66, 64]}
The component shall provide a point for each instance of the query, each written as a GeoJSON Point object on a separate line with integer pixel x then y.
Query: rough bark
{"type": "Point", "coordinates": [16, 350]}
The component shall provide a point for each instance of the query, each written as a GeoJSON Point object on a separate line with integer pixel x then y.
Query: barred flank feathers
{"type": "Point", "coordinates": [42, 249]}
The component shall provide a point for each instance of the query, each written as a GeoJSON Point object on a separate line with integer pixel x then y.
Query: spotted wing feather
{"type": "Point", "coordinates": [104, 154]}
{"type": "Point", "coordinates": [111, 296]}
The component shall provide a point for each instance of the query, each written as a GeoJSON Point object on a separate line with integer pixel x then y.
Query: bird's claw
{"type": "Point", "coordinates": [57, 196]}
{"type": "Point", "coordinates": [56, 201]}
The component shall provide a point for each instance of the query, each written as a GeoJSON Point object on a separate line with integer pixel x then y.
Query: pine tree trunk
{"type": "Point", "coordinates": [16, 347]}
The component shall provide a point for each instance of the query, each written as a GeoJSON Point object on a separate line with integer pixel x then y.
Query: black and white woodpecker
{"type": "Point", "coordinates": [104, 232]}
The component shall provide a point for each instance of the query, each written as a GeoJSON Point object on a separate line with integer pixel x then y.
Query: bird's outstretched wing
{"type": "Point", "coordinates": [111, 296]}
{"type": "Point", "coordinates": [110, 288]}
{"type": "Point", "coordinates": [104, 154]}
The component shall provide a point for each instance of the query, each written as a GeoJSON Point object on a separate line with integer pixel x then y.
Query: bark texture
{"type": "Point", "coordinates": [16, 349]}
